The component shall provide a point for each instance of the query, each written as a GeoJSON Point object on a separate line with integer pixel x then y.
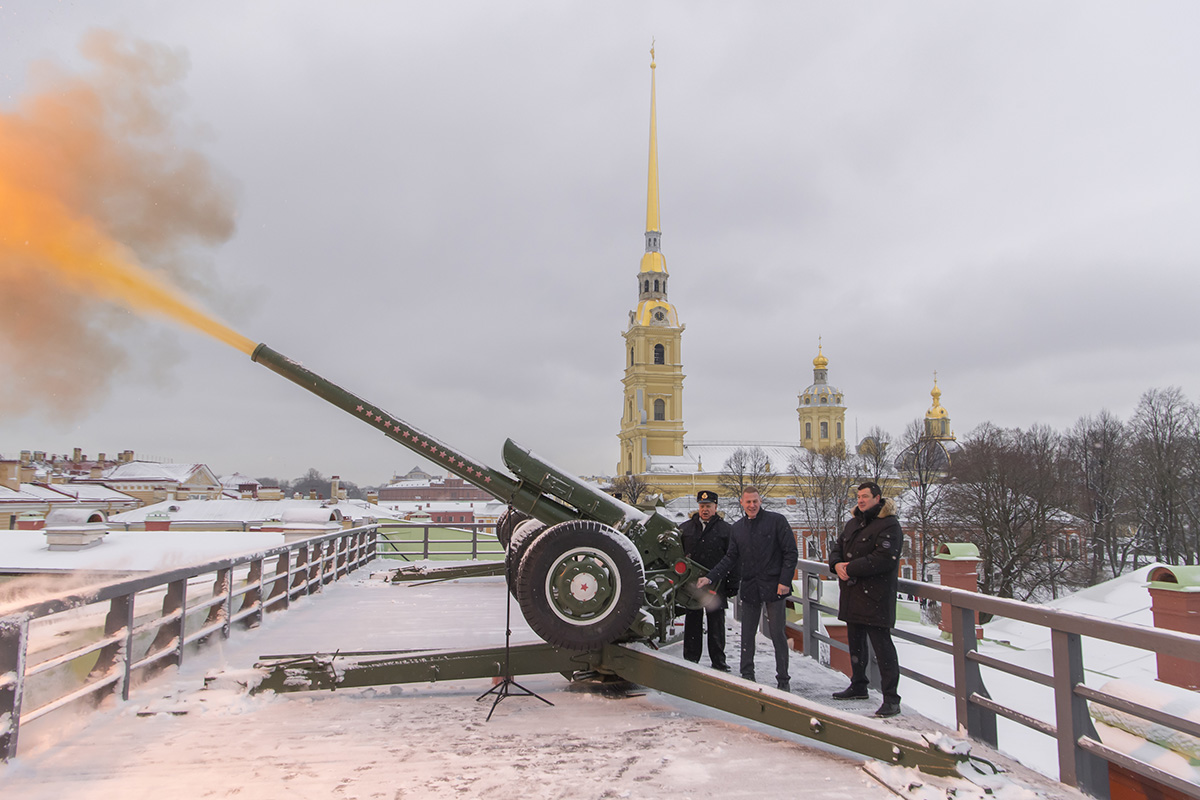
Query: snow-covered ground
{"type": "Point", "coordinates": [176, 739]}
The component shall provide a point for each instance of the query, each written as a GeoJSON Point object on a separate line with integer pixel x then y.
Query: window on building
{"type": "Point", "coordinates": [631, 356]}
{"type": "Point", "coordinates": [656, 284]}
{"type": "Point", "coordinates": [660, 354]}
{"type": "Point", "coordinates": [839, 430]}
{"type": "Point", "coordinates": [646, 285]}
{"type": "Point", "coordinates": [906, 573]}
{"type": "Point", "coordinates": [824, 430]}
{"type": "Point", "coordinates": [660, 409]}
{"type": "Point", "coordinates": [808, 430]}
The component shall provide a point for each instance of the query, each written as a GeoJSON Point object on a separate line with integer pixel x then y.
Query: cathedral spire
{"type": "Point", "coordinates": [652, 223]}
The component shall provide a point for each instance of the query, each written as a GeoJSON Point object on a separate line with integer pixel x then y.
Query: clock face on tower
{"type": "Point", "coordinates": [660, 315]}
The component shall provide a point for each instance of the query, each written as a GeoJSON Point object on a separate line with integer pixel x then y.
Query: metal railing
{"type": "Point", "coordinates": [1082, 759]}
{"type": "Point", "coordinates": [440, 541]}
{"type": "Point", "coordinates": [96, 641]}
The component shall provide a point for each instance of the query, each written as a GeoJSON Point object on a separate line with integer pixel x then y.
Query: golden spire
{"type": "Point", "coordinates": [652, 223]}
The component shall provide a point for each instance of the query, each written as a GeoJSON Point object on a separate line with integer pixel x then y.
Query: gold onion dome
{"type": "Point", "coordinates": [820, 362]}
{"type": "Point", "coordinates": [936, 411]}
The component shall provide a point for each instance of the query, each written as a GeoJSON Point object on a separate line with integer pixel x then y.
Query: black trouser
{"type": "Point", "coordinates": [885, 657]}
{"type": "Point", "coordinates": [693, 635]}
{"type": "Point", "coordinates": [776, 612]}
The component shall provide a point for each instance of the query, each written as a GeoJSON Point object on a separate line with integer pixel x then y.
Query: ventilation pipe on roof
{"type": "Point", "coordinates": [75, 528]}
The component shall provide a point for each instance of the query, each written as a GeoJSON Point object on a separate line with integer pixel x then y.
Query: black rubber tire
{"type": "Point", "coordinates": [508, 523]}
{"type": "Point", "coordinates": [595, 606]}
{"type": "Point", "coordinates": [522, 536]}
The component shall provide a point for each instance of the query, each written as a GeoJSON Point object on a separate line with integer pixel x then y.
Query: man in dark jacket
{"type": "Point", "coordinates": [763, 549]}
{"type": "Point", "coordinates": [705, 540]}
{"type": "Point", "coordinates": [865, 559]}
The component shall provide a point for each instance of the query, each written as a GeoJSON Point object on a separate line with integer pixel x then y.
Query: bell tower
{"type": "Point", "coordinates": [652, 409]}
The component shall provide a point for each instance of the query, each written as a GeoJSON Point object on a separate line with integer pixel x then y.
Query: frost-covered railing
{"type": "Point", "coordinates": [440, 540]}
{"type": "Point", "coordinates": [95, 641]}
{"type": "Point", "coordinates": [1082, 759]}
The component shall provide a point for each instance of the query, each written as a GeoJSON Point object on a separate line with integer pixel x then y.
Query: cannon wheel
{"type": "Point", "coordinates": [580, 584]}
{"type": "Point", "coordinates": [508, 522]}
{"type": "Point", "coordinates": [522, 536]}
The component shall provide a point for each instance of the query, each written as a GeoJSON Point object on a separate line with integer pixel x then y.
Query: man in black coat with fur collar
{"type": "Point", "coordinates": [865, 558]}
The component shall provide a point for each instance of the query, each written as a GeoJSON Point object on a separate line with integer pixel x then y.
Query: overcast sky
{"type": "Point", "coordinates": [441, 206]}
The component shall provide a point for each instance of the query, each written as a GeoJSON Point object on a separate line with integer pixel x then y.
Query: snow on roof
{"type": "Point", "coordinates": [713, 455]}
{"type": "Point", "coordinates": [245, 511]}
{"type": "Point", "coordinates": [238, 479]}
{"type": "Point", "coordinates": [152, 471]}
{"type": "Point", "coordinates": [63, 492]}
{"type": "Point", "coordinates": [27, 551]}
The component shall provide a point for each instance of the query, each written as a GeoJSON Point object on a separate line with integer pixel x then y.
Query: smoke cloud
{"type": "Point", "coordinates": [102, 201]}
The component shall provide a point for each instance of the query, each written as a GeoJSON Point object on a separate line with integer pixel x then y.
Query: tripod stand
{"type": "Point", "coordinates": [508, 687]}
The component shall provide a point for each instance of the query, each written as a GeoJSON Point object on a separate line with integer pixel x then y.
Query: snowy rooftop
{"type": "Point", "coordinates": [152, 471]}
{"type": "Point", "coordinates": [121, 551]}
{"type": "Point", "coordinates": [249, 512]}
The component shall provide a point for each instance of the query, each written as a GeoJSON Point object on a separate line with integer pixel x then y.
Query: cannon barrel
{"type": "Point", "coordinates": [539, 490]}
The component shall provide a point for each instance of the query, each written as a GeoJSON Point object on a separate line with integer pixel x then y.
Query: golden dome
{"type": "Point", "coordinates": [936, 411]}
{"type": "Point", "coordinates": [820, 362]}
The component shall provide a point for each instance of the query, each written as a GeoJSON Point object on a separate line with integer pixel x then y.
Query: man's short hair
{"type": "Point", "coordinates": [873, 486]}
{"type": "Point", "coordinates": [750, 490]}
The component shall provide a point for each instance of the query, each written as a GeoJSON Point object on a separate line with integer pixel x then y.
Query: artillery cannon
{"type": "Point", "coordinates": [586, 568]}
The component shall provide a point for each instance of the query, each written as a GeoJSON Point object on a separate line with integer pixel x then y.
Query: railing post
{"type": "Point", "coordinates": [425, 544]}
{"type": "Point", "coordinates": [299, 583]}
{"type": "Point", "coordinates": [14, 639]}
{"type": "Point", "coordinates": [252, 599]}
{"type": "Point", "coordinates": [280, 585]}
{"type": "Point", "coordinates": [220, 612]}
{"type": "Point", "coordinates": [175, 601]}
{"type": "Point", "coordinates": [119, 617]}
{"type": "Point", "coordinates": [474, 543]}
{"type": "Point", "coordinates": [1076, 766]}
{"type": "Point", "coordinates": [810, 584]}
{"type": "Point", "coordinates": [978, 722]}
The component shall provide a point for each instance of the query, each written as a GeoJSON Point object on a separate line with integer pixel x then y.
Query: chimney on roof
{"type": "Point", "coordinates": [77, 456]}
{"type": "Point", "coordinates": [39, 455]}
{"type": "Point", "coordinates": [25, 454]}
{"type": "Point", "coordinates": [373, 498]}
{"type": "Point", "coordinates": [335, 488]}
{"type": "Point", "coordinates": [26, 473]}
{"type": "Point", "coordinates": [10, 476]}
{"type": "Point", "coordinates": [101, 458]}
{"type": "Point", "coordinates": [95, 472]}
{"type": "Point", "coordinates": [312, 494]}
{"type": "Point", "coordinates": [127, 456]}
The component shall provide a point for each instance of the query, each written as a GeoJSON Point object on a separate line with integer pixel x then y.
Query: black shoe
{"type": "Point", "coordinates": [887, 710]}
{"type": "Point", "coordinates": [850, 693]}
{"type": "Point", "coordinates": [721, 667]}
{"type": "Point", "coordinates": [783, 686]}
{"type": "Point", "coordinates": [748, 676]}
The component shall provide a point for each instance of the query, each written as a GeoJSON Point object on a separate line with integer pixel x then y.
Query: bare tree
{"type": "Point", "coordinates": [630, 488]}
{"type": "Point", "coordinates": [749, 466]}
{"type": "Point", "coordinates": [1164, 436]}
{"type": "Point", "coordinates": [1004, 497]}
{"type": "Point", "coordinates": [1100, 456]}
{"type": "Point", "coordinates": [874, 456]}
{"type": "Point", "coordinates": [922, 463]}
{"type": "Point", "coordinates": [825, 480]}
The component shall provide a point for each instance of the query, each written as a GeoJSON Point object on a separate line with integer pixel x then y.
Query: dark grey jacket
{"type": "Point", "coordinates": [870, 545]}
{"type": "Point", "coordinates": [764, 551]}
